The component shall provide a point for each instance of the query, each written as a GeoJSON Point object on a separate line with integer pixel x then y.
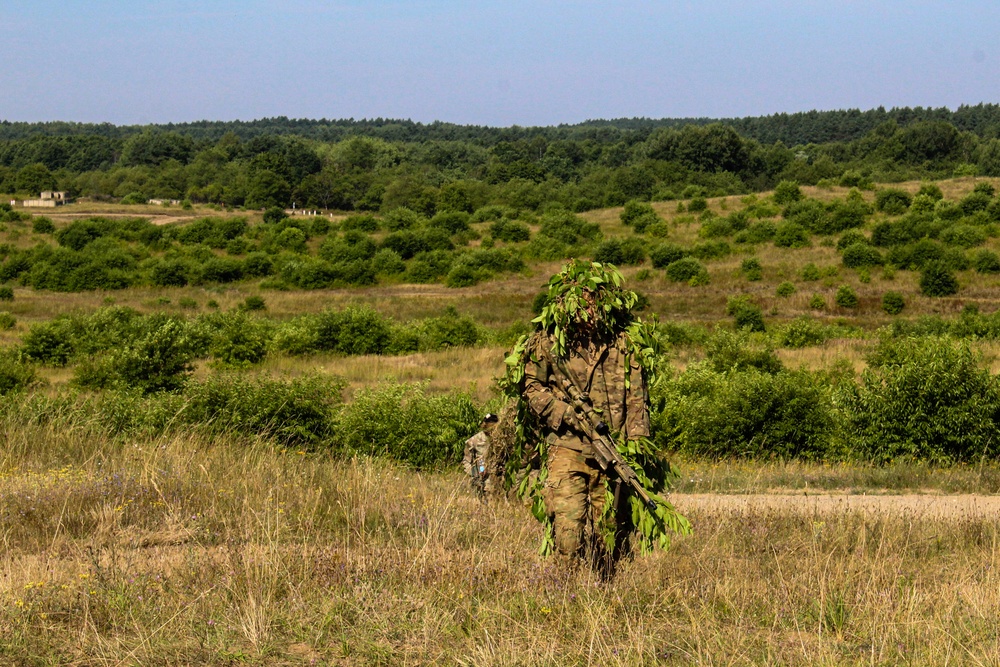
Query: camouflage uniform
{"type": "Point", "coordinates": [574, 489]}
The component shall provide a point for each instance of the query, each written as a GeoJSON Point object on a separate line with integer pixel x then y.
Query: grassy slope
{"type": "Point", "coordinates": [190, 551]}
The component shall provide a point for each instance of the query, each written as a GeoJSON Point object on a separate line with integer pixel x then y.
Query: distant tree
{"type": "Point", "coordinates": [35, 178]}
{"type": "Point", "coordinates": [268, 189]}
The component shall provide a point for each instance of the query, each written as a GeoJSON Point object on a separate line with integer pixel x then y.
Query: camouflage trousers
{"type": "Point", "coordinates": [574, 500]}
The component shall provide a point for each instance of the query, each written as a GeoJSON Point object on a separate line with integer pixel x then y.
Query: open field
{"type": "Point", "coordinates": [190, 547]}
{"type": "Point", "coordinates": [189, 551]}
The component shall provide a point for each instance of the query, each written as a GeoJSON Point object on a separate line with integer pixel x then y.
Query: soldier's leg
{"type": "Point", "coordinates": [566, 491]}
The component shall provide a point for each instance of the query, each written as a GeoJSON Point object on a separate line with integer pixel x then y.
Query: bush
{"type": "Point", "coordinates": [802, 332]}
{"type": "Point", "coordinates": [253, 303]}
{"type": "Point", "coordinates": [685, 269]}
{"type": "Point", "coordinates": [620, 252]}
{"type": "Point", "coordinates": [451, 222]}
{"type": "Point", "coordinates": [42, 225]}
{"type": "Point", "coordinates": [810, 272]}
{"type": "Point", "coordinates": [851, 237]}
{"type": "Point", "coordinates": [388, 262]}
{"type": "Point", "coordinates": [758, 232]}
{"type": "Point", "coordinates": [787, 192]}
{"type": "Point", "coordinates": [462, 275]}
{"type": "Point", "coordinates": [926, 399]}
{"type": "Point", "coordinates": [665, 254]}
{"type": "Point", "coordinates": [240, 340]}
{"type": "Point", "coordinates": [740, 351]}
{"type": "Point", "coordinates": [7, 321]}
{"type": "Point", "coordinates": [785, 289]}
{"type": "Point", "coordinates": [405, 424]}
{"type": "Point", "coordinates": [791, 235]}
{"type": "Point", "coordinates": [846, 297]}
{"type": "Point", "coordinates": [352, 331]}
{"type": "Point", "coordinates": [365, 222]}
{"type": "Point", "coordinates": [49, 342]}
{"type": "Point", "coordinates": [858, 255]}
{"type": "Point", "coordinates": [158, 359]}
{"type": "Point", "coordinates": [937, 279]}
{"type": "Point", "coordinates": [134, 198]}
{"type": "Point", "coordinates": [6, 293]}
{"type": "Point", "coordinates": [892, 201]}
{"type": "Point", "coordinates": [635, 210]}
{"type": "Point", "coordinates": [15, 372]}
{"type": "Point", "coordinates": [817, 302]}
{"type": "Point", "coordinates": [697, 204]}
{"type": "Point", "coordinates": [295, 412]}
{"type": "Point", "coordinates": [964, 236]}
{"type": "Point", "coordinates": [745, 314]}
{"type": "Point", "coordinates": [748, 414]}
{"type": "Point", "coordinates": [986, 261]}
{"type": "Point", "coordinates": [893, 303]}
{"type": "Point", "coordinates": [274, 215]}
{"type": "Point", "coordinates": [510, 231]}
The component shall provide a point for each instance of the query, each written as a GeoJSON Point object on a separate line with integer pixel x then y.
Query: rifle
{"type": "Point", "coordinates": [605, 452]}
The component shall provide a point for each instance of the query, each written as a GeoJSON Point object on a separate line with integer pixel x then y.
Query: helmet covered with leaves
{"type": "Point", "coordinates": [585, 297]}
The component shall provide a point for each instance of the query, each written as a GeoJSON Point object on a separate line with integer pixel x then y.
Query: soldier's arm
{"type": "Point", "coordinates": [538, 391]}
{"type": "Point", "coordinates": [636, 402]}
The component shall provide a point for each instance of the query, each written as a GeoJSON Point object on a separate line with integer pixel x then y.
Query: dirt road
{"type": "Point", "coordinates": [917, 505]}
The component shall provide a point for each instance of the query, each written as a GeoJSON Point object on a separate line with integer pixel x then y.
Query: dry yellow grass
{"type": "Point", "coordinates": [188, 551]}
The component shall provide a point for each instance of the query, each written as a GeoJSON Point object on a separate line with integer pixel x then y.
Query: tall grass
{"type": "Point", "coordinates": [188, 549]}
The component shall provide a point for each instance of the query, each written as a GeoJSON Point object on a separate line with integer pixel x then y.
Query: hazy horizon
{"type": "Point", "coordinates": [497, 64]}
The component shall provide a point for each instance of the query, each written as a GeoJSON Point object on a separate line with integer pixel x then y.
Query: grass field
{"type": "Point", "coordinates": [189, 549]}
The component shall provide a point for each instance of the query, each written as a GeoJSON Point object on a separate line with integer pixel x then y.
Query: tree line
{"type": "Point", "coordinates": [381, 164]}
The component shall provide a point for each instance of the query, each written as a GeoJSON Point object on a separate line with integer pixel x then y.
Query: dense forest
{"type": "Point", "coordinates": [383, 164]}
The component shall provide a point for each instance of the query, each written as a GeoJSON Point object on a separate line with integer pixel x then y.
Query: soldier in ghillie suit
{"type": "Point", "coordinates": [582, 382]}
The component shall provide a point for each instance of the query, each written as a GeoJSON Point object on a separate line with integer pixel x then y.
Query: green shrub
{"type": "Point", "coordinates": [745, 314]}
{"type": "Point", "coordinates": [620, 252]}
{"type": "Point", "coordinates": [846, 297]}
{"type": "Point", "coordinates": [817, 302]}
{"type": "Point", "coordinates": [402, 422]}
{"type": "Point", "coordinates": [787, 192]}
{"type": "Point", "coordinates": [253, 303]}
{"type": "Point", "coordinates": [42, 225]}
{"type": "Point", "coordinates": [295, 412]}
{"type": "Point", "coordinates": [388, 262]}
{"type": "Point", "coordinates": [135, 198]}
{"type": "Point", "coordinates": [364, 222]}
{"type": "Point", "coordinates": [858, 255]}
{"type": "Point", "coordinates": [810, 273]}
{"type": "Point", "coordinates": [785, 289]}
{"type": "Point", "coordinates": [745, 414]}
{"type": "Point", "coordinates": [15, 372]}
{"type": "Point", "coordinates": [352, 331]}
{"type": "Point", "coordinates": [851, 237]}
{"type": "Point", "coordinates": [510, 231]}
{"type": "Point", "coordinates": [923, 398]}
{"type": "Point", "coordinates": [986, 261]}
{"type": "Point", "coordinates": [462, 275]}
{"type": "Point", "coordinates": [892, 201]}
{"type": "Point", "coordinates": [7, 321]}
{"type": "Point", "coordinates": [685, 269]}
{"type": "Point", "coordinates": [964, 236]}
{"type": "Point", "coordinates": [791, 235]}
{"type": "Point", "coordinates": [751, 268]}
{"type": "Point", "coordinates": [158, 359]}
{"type": "Point", "coordinates": [49, 342]}
{"type": "Point", "coordinates": [665, 254]}
{"type": "Point", "coordinates": [758, 232]}
{"type": "Point", "coordinates": [635, 210]}
{"type": "Point", "coordinates": [802, 332]}
{"type": "Point", "coordinates": [697, 204]}
{"type": "Point", "coordinates": [239, 340]}
{"type": "Point", "coordinates": [893, 303]}
{"type": "Point", "coordinates": [6, 293]}
{"type": "Point", "coordinates": [937, 279]}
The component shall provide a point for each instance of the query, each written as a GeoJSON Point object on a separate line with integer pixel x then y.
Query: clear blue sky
{"type": "Point", "coordinates": [493, 63]}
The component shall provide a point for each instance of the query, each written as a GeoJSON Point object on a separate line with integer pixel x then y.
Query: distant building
{"type": "Point", "coordinates": [48, 199]}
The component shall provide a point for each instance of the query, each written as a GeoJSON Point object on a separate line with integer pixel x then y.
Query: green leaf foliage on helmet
{"type": "Point", "coordinates": [586, 293]}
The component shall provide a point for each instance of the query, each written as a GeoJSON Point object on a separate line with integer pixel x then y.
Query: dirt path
{"type": "Point", "coordinates": [917, 505]}
{"type": "Point", "coordinates": [155, 218]}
